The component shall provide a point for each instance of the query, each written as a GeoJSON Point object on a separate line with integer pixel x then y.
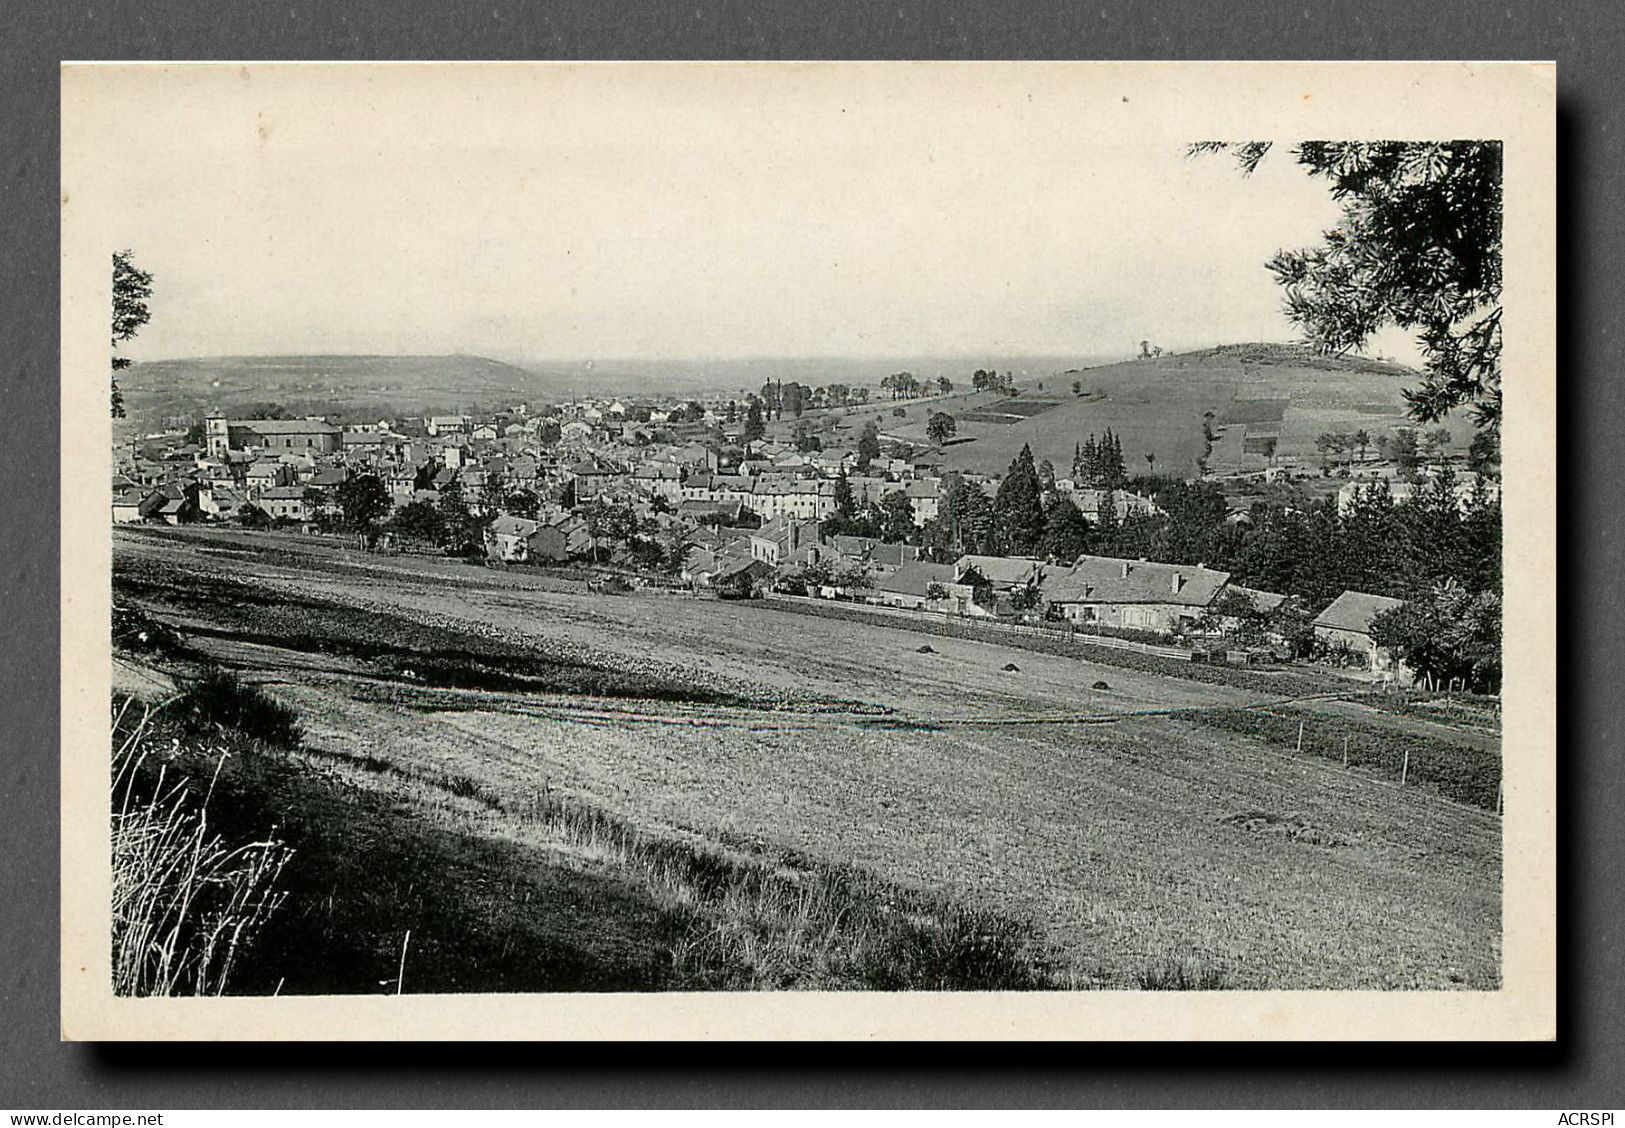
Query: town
{"type": "Point", "coordinates": [1380, 561]}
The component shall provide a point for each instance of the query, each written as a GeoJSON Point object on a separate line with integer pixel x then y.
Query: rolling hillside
{"type": "Point", "coordinates": [1256, 392]}
{"type": "Point", "coordinates": [162, 392]}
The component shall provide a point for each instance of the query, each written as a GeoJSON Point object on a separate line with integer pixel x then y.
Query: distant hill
{"type": "Point", "coordinates": [163, 392]}
{"type": "Point", "coordinates": [1256, 392]}
{"type": "Point", "coordinates": [174, 392]}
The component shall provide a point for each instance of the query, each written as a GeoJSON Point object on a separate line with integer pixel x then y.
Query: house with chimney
{"type": "Point", "coordinates": [1135, 594]}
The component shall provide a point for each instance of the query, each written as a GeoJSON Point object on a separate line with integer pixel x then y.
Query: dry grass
{"type": "Point", "coordinates": [1183, 975]}
{"type": "Point", "coordinates": [186, 904]}
{"type": "Point", "coordinates": [1119, 840]}
{"type": "Point", "coordinates": [770, 920]}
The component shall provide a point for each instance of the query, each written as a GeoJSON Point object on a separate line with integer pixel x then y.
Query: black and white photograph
{"type": "Point", "coordinates": [645, 532]}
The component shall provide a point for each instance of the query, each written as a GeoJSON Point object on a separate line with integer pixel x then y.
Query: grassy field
{"type": "Point", "coordinates": [1156, 406]}
{"type": "Point", "coordinates": [448, 709]}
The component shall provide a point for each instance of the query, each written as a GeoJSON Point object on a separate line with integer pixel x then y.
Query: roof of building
{"type": "Point", "coordinates": [740, 566]}
{"type": "Point", "coordinates": [283, 493]}
{"type": "Point", "coordinates": [1262, 601]}
{"type": "Point", "coordinates": [894, 555]}
{"type": "Point", "coordinates": [916, 577]}
{"type": "Point", "coordinates": [510, 526]}
{"type": "Point", "coordinates": [999, 569]}
{"type": "Point", "coordinates": [853, 546]}
{"type": "Point", "coordinates": [287, 426]}
{"type": "Point", "coordinates": [1354, 610]}
{"type": "Point", "coordinates": [1107, 579]}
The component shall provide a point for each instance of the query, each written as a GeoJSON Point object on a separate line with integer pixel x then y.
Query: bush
{"type": "Point", "coordinates": [218, 699]}
{"type": "Point", "coordinates": [135, 630]}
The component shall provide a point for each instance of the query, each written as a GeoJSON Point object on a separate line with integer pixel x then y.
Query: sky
{"type": "Point", "coordinates": [675, 212]}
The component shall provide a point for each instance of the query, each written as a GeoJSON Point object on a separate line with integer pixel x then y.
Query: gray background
{"type": "Point", "coordinates": [1582, 1070]}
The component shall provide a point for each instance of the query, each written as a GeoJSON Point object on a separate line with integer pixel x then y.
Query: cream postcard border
{"type": "Point", "coordinates": [1137, 102]}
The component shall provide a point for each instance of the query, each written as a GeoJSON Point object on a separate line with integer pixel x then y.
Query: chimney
{"type": "Point", "coordinates": [1125, 569]}
{"type": "Point", "coordinates": [1178, 582]}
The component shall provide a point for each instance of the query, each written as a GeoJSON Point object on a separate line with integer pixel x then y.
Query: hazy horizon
{"type": "Point", "coordinates": [629, 214]}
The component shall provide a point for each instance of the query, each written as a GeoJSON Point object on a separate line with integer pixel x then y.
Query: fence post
{"type": "Point", "coordinates": [1345, 749]}
{"type": "Point", "coordinates": [1405, 768]}
{"type": "Point", "coordinates": [1299, 748]}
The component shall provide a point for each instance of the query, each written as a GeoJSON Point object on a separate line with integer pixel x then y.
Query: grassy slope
{"type": "Point", "coordinates": [1157, 406]}
{"type": "Point", "coordinates": [1130, 843]}
{"type": "Point", "coordinates": [156, 389]}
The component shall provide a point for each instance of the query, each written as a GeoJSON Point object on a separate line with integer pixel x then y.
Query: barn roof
{"type": "Point", "coordinates": [1107, 579]}
{"type": "Point", "coordinates": [1354, 610]}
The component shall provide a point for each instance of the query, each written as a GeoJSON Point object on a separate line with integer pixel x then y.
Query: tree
{"type": "Point", "coordinates": [853, 577]}
{"type": "Point", "coordinates": [460, 530]}
{"type": "Point", "coordinates": [132, 287]}
{"type": "Point", "coordinates": [804, 440]}
{"type": "Point", "coordinates": [846, 503]}
{"type": "Point", "coordinates": [1484, 454]}
{"type": "Point", "coordinates": [363, 500]}
{"type": "Point", "coordinates": [754, 427]}
{"type": "Point", "coordinates": [493, 493]}
{"type": "Point", "coordinates": [1107, 526]}
{"type": "Point", "coordinates": [1077, 387]}
{"type": "Point", "coordinates": [1360, 441]}
{"type": "Point", "coordinates": [1402, 449]}
{"type": "Point", "coordinates": [1046, 481]}
{"type": "Point", "coordinates": [316, 503]}
{"type": "Point", "coordinates": [964, 521]}
{"type": "Point", "coordinates": [944, 385]}
{"type": "Point", "coordinates": [1453, 633]}
{"type": "Point", "coordinates": [1419, 247]}
{"type": "Point", "coordinates": [1018, 513]}
{"type": "Point", "coordinates": [1437, 442]}
{"type": "Point", "coordinates": [419, 520]}
{"type": "Point", "coordinates": [1234, 617]}
{"type": "Point", "coordinates": [868, 444]}
{"type": "Point", "coordinates": [1066, 531]}
{"type": "Point", "coordinates": [1329, 443]}
{"type": "Point", "coordinates": [901, 385]}
{"type": "Point", "coordinates": [940, 427]}
{"type": "Point", "coordinates": [608, 520]}
{"type": "Point", "coordinates": [896, 518]}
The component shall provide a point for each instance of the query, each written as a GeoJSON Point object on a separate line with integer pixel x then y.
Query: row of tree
{"type": "Point", "coordinates": [1097, 464]}
{"type": "Point", "coordinates": [986, 380]}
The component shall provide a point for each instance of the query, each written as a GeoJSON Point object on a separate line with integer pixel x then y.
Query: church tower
{"type": "Point", "coordinates": [217, 434]}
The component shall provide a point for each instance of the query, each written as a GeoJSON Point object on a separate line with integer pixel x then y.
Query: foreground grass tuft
{"type": "Point", "coordinates": [768, 923]}
{"type": "Point", "coordinates": [186, 904]}
{"type": "Point", "coordinates": [1183, 975]}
